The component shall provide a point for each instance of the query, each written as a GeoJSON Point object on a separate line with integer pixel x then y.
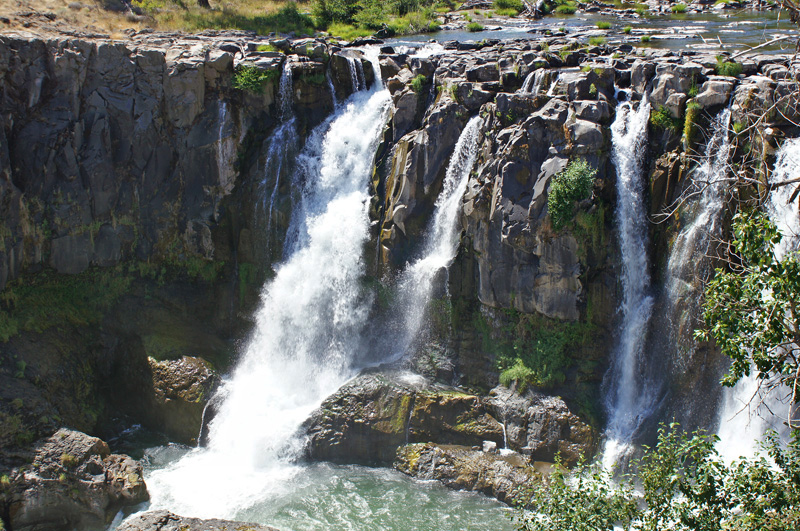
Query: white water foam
{"type": "Point", "coordinates": [628, 401]}
{"type": "Point", "coordinates": [307, 330]}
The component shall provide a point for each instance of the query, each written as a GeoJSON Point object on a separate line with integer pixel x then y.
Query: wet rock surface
{"type": "Point", "coordinates": [503, 475]}
{"type": "Point", "coordinates": [166, 521]}
{"type": "Point", "coordinates": [74, 482]}
{"type": "Point", "coordinates": [370, 417]}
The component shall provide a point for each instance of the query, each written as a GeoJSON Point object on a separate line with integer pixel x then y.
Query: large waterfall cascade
{"type": "Point", "coordinates": [628, 400]}
{"type": "Point", "coordinates": [309, 331]}
{"type": "Point", "coordinates": [308, 326]}
{"type": "Point", "coordinates": [746, 414]}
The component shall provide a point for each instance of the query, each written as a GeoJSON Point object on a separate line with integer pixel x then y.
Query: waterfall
{"type": "Point", "coordinates": [226, 149]}
{"type": "Point", "coordinates": [746, 414]}
{"type": "Point", "coordinates": [354, 77]}
{"type": "Point", "coordinates": [307, 330]}
{"type": "Point", "coordinates": [782, 212]}
{"type": "Point", "coordinates": [285, 96]}
{"type": "Point", "coordinates": [528, 83]}
{"type": "Point", "coordinates": [687, 263]}
{"type": "Point", "coordinates": [629, 401]}
{"type": "Point", "coordinates": [280, 152]}
{"type": "Point", "coordinates": [534, 81]}
{"type": "Point", "coordinates": [441, 242]}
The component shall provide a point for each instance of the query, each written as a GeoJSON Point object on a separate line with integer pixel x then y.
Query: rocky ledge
{"type": "Point", "coordinates": [503, 474]}
{"type": "Point", "coordinates": [370, 417]}
{"type": "Point", "coordinates": [166, 521]}
{"type": "Point", "coordinates": [74, 482]}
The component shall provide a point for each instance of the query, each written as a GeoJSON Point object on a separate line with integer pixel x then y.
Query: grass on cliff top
{"type": "Point", "coordinates": [263, 17]}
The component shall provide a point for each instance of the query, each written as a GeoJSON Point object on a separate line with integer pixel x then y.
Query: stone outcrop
{"type": "Point", "coordinates": [503, 475]}
{"type": "Point", "coordinates": [542, 426]}
{"type": "Point", "coordinates": [166, 521]}
{"type": "Point", "coordinates": [367, 419]}
{"type": "Point", "coordinates": [370, 417]}
{"type": "Point", "coordinates": [169, 396]}
{"type": "Point", "coordinates": [74, 482]}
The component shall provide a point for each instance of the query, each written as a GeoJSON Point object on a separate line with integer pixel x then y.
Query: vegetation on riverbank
{"type": "Point", "coordinates": [684, 485]}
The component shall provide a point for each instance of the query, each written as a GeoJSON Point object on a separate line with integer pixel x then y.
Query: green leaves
{"type": "Point", "coordinates": [751, 308]}
{"type": "Point", "coordinates": [568, 187]}
{"type": "Point", "coordinates": [252, 79]}
{"type": "Point", "coordinates": [683, 486]}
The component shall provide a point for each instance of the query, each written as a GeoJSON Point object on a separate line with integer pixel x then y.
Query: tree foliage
{"type": "Point", "coordinates": [752, 307]}
{"type": "Point", "coordinates": [568, 187]}
{"type": "Point", "coordinates": [683, 486]}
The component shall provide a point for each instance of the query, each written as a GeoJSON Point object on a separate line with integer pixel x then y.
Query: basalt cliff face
{"type": "Point", "coordinates": [141, 214]}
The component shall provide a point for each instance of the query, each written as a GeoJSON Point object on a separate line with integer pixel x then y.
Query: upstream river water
{"type": "Point", "coordinates": [728, 31]}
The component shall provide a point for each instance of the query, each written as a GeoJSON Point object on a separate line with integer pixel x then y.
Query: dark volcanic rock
{"type": "Point", "coordinates": [502, 475]}
{"type": "Point", "coordinates": [166, 521]}
{"type": "Point", "coordinates": [74, 483]}
{"type": "Point", "coordinates": [542, 426]}
{"type": "Point", "coordinates": [181, 390]}
{"type": "Point", "coordinates": [367, 419]}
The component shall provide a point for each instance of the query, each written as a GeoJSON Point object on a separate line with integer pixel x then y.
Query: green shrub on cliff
{"type": "Point", "coordinates": [568, 187]}
{"type": "Point", "coordinates": [661, 118]}
{"type": "Point", "coordinates": [728, 68]}
{"type": "Point", "coordinates": [252, 79]}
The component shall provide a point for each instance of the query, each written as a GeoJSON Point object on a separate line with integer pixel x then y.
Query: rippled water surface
{"type": "Point", "coordinates": [313, 497]}
{"type": "Point", "coordinates": [707, 31]}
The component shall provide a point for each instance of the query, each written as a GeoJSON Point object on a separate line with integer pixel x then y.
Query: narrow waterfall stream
{"type": "Point", "coordinates": [441, 242]}
{"type": "Point", "coordinates": [280, 153]}
{"type": "Point", "coordinates": [628, 399]}
{"type": "Point", "coordinates": [307, 337]}
{"type": "Point", "coordinates": [746, 414]}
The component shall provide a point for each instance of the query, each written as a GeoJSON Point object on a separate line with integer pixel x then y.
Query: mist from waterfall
{"type": "Point", "coordinates": [441, 241]}
{"type": "Point", "coordinates": [307, 331]}
{"type": "Point", "coordinates": [746, 412]}
{"type": "Point", "coordinates": [628, 399]}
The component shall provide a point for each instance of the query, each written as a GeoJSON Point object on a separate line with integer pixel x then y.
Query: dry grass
{"type": "Point", "coordinates": [83, 15]}
{"type": "Point", "coordinates": [261, 16]}
{"type": "Point", "coordinates": [112, 17]}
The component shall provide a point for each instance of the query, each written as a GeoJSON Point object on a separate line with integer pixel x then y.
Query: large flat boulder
{"type": "Point", "coordinates": [370, 417]}
{"type": "Point", "coordinates": [74, 482]}
{"type": "Point", "coordinates": [167, 521]}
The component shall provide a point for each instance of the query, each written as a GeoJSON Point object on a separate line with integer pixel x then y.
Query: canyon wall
{"type": "Point", "coordinates": [139, 220]}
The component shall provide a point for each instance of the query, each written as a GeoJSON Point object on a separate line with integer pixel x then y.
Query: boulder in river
{"type": "Point", "coordinates": [74, 482]}
{"type": "Point", "coordinates": [166, 521]}
{"type": "Point", "coordinates": [503, 475]}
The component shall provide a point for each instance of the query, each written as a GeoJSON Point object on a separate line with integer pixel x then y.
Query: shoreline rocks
{"type": "Point", "coordinates": [74, 482]}
{"type": "Point", "coordinates": [503, 475]}
{"type": "Point", "coordinates": [167, 521]}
